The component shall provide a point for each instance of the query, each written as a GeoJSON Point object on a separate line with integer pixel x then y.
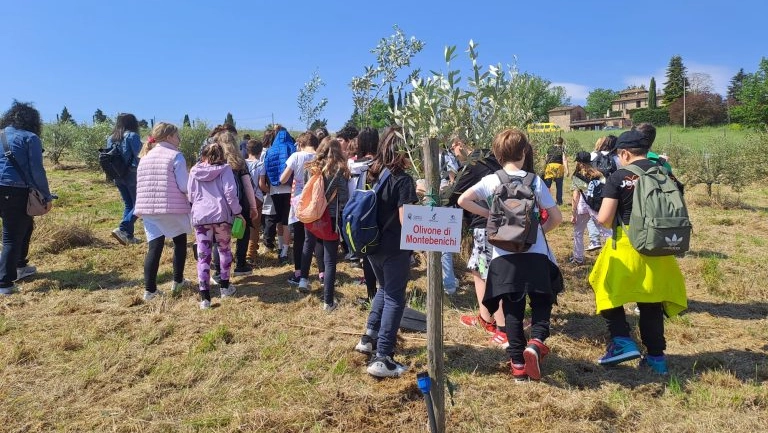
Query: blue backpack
{"type": "Point", "coordinates": [360, 226]}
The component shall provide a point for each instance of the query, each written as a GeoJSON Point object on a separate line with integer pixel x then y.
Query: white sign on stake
{"type": "Point", "coordinates": [428, 228]}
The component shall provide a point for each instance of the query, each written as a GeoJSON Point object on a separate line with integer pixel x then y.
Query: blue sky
{"type": "Point", "coordinates": [163, 59]}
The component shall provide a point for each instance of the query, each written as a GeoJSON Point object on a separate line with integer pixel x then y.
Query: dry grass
{"type": "Point", "coordinates": [80, 351]}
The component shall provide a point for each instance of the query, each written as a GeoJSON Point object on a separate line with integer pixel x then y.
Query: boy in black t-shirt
{"type": "Point", "coordinates": [622, 275]}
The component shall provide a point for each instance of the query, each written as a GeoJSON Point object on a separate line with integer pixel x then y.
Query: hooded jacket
{"type": "Point", "coordinates": [274, 163]}
{"type": "Point", "coordinates": [213, 193]}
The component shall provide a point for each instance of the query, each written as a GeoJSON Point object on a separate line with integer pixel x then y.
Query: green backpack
{"type": "Point", "coordinates": [659, 223]}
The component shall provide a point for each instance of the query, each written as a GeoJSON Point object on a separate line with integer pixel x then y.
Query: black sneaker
{"type": "Point", "coordinates": [283, 260]}
{"type": "Point", "coordinates": [385, 366]}
{"type": "Point", "coordinates": [367, 345]}
{"type": "Point", "coordinates": [242, 270]}
{"type": "Point", "coordinates": [294, 280]}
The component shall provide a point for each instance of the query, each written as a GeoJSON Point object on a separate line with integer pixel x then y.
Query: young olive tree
{"type": "Point", "coordinates": [309, 111]}
{"type": "Point", "coordinates": [393, 54]}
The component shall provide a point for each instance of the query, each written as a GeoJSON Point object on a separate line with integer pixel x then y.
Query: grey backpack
{"type": "Point", "coordinates": [659, 223]}
{"type": "Point", "coordinates": [512, 223]}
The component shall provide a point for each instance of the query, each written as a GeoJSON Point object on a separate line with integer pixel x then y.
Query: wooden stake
{"type": "Point", "coordinates": [435, 293]}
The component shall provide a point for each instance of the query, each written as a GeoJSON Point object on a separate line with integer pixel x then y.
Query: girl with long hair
{"type": "Point", "coordinates": [389, 262]}
{"type": "Point", "coordinates": [126, 136]}
{"type": "Point", "coordinates": [331, 163]}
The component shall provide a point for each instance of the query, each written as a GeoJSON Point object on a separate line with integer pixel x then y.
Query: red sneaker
{"type": "Point", "coordinates": [500, 338]}
{"type": "Point", "coordinates": [473, 321]}
{"type": "Point", "coordinates": [534, 352]}
{"type": "Point", "coordinates": [518, 372]}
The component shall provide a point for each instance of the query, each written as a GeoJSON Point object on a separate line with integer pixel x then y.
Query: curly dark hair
{"type": "Point", "coordinates": [348, 132]}
{"type": "Point", "coordinates": [22, 115]}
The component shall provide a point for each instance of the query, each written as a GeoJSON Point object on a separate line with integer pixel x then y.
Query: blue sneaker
{"type": "Point", "coordinates": [620, 349]}
{"type": "Point", "coordinates": [656, 363]}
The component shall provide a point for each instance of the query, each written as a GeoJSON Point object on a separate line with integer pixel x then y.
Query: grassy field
{"type": "Point", "coordinates": [80, 351]}
{"type": "Point", "coordinates": [695, 138]}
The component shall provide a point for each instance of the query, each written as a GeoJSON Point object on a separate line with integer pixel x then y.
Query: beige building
{"type": "Point", "coordinates": [564, 116]}
{"type": "Point", "coordinates": [630, 99]}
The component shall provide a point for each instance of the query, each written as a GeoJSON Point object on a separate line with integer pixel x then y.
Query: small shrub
{"type": "Point", "coordinates": [58, 139]}
{"type": "Point", "coordinates": [192, 139]}
{"type": "Point", "coordinates": [711, 274]}
{"type": "Point", "coordinates": [55, 238]}
{"type": "Point", "coordinates": [213, 338]}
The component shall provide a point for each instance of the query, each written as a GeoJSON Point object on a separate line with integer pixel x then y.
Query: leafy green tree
{"type": "Point", "coordinates": [309, 111]}
{"type": "Point", "coordinates": [393, 54]}
{"type": "Point", "coordinates": [65, 117]}
{"type": "Point", "coordinates": [318, 123]}
{"type": "Point", "coordinates": [599, 102]}
{"type": "Point", "coordinates": [378, 116]}
{"type": "Point", "coordinates": [399, 98]}
{"type": "Point", "coordinates": [734, 88]}
{"type": "Point", "coordinates": [186, 123]}
{"type": "Point", "coordinates": [99, 117]}
{"type": "Point", "coordinates": [753, 98]}
{"type": "Point", "coordinates": [59, 138]}
{"type": "Point", "coordinates": [673, 88]}
{"type": "Point", "coordinates": [652, 104]}
{"type": "Point", "coordinates": [229, 120]}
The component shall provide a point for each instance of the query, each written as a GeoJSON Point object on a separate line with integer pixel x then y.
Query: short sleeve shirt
{"type": "Point", "coordinates": [621, 186]}
{"type": "Point", "coordinates": [484, 191]}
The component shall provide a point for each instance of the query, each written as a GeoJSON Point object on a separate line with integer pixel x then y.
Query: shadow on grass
{"type": "Point", "coordinates": [746, 311]}
{"type": "Point", "coordinates": [83, 278]}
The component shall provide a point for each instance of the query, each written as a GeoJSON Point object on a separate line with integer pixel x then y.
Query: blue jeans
{"type": "Point", "coordinates": [17, 231]}
{"type": "Point", "coordinates": [558, 187]}
{"type": "Point", "coordinates": [449, 278]}
{"type": "Point", "coordinates": [594, 233]}
{"type": "Point", "coordinates": [127, 188]}
{"type": "Point", "coordinates": [389, 303]}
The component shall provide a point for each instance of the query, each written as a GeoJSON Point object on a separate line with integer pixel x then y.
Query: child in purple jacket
{"type": "Point", "coordinates": [213, 194]}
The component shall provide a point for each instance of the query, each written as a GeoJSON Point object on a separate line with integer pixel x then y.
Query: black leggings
{"type": "Point", "coordinates": [152, 260]}
{"type": "Point", "coordinates": [651, 324]}
{"type": "Point", "coordinates": [513, 306]}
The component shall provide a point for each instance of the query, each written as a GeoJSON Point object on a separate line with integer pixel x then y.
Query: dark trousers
{"type": "Point", "coordinates": [330, 257]}
{"type": "Point", "coordinates": [387, 308]}
{"type": "Point", "coordinates": [152, 261]}
{"type": "Point", "coordinates": [281, 203]}
{"type": "Point", "coordinates": [298, 243]}
{"type": "Point", "coordinates": [558, 188]}
{"type": "Point", "coordinates": [651, 324]}
{"type": "Point", "coordinates": [241, 247]}
{"type": "Point", "coordinates": [127, 188]}
{"type": "Point", "coordinates": [513, 305]}
{"type": "Point", "coordinates": [17, 232]}
{"type": "Point", "coordinates": [370, 278]}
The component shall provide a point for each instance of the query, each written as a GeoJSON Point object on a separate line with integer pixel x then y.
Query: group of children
{"type": "Point", "coordinates": [265, 188]}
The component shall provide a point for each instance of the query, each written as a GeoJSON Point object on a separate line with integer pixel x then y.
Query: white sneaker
{"type": "Point", "coordinates": [385, 366]}
{"type": "Point", "coordinates": [148, 296]}
{"type": "Point", "coordinates": [228, 292]}
{"type": "Point", "coordinates": [25, 272]}
{"type": "Point", "coordinates": [593, 247]}
{"type": "Point", "coordinates": [7, 290]}
{"type": "Point", "coordinates": [121, 236]}
{"type": "Point", "coordinates": [177, 288]}
{"type": "Point", "coordinates": [205, 304]}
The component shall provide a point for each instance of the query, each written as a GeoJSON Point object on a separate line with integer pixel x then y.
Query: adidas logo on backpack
{"type": "Point", "coordinates": [659, 223]}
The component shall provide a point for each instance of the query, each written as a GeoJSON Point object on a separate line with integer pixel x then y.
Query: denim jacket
{"type": "Point", "coordinates": [130, 147]}
{"type": "Point", "coordinates": [28, 152]}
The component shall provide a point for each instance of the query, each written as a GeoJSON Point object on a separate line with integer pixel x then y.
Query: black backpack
{"type": "Point", "coordinates": [605, 164]}
{"type": "Point", "coordinates": [112, 162]}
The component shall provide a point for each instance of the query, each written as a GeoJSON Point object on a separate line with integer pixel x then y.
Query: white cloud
{"type": "Point", "coordinates": [577, 92]}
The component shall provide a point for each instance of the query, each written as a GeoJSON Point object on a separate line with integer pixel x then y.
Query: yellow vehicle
{"type": "Point", "coordinates": [543, 127]}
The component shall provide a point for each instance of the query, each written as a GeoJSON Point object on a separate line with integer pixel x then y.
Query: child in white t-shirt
{"type": "Point", "coordinates": [514, 276]}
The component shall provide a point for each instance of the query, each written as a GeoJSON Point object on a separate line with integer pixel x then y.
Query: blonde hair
{"type": "Point", "coordinates": [159, 133]}
{"type": "Point", "coordinates": [228, 142]}
{"type": "Point", "coordinates": [329, 159]}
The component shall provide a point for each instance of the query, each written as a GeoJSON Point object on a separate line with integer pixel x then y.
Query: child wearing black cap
{"type": "Point", "coordinates": [622, 275]}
